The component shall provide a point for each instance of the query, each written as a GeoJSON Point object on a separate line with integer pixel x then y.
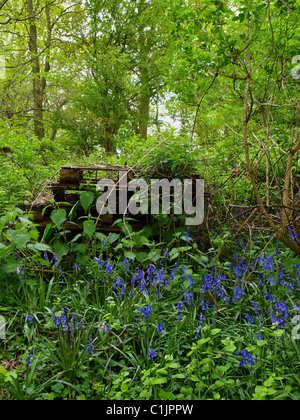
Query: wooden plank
{"type": "Point", "coordinates": [70, 176]}
{"type": "Point", "coordinates": [104, 167]}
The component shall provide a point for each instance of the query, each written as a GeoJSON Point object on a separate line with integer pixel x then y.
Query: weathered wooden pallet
{"type": "Point", "coordinates": [66, 190]}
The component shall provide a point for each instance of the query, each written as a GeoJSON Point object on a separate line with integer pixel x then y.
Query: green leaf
{"type": "Point", "coordinates": [224, 369]}
{"type": "Point", "coordinates": [19, 238]}
{"type": "Point", "coordinates": [130, 255]}
{"type": "Point", "coordinates": [158, 381]}
{"type": "Point", "coordinates": [61, 250]}
{"type": "Point", "coordinates": [215, 331]}
{"type": "Point", "coordinates": [141, 257]}
{"type": "Point", "coordinates": [39, 247]}
{"type": "Point", "coordinates": [58, 217]}
{"type": "Point", "coordinates": [199, 259]}
{"type": "Point", "coordinates": [89, 229]}
{"type": "Point", "coordinates": [113, 238]}
{"type": "Point", "coordinates": [278, 333]}
{"type": "Point", "coordinates": [86, 199]}
{"type": "Point", "coordinates": [34, 234]}
{"type": "Point", "coordinates": [47, 232]}
{"type": "Point", "coordinates": [12, 265]}
{"type": "Point", "coordinates": [202, 341]}
{"type": "Point", "coordinates": [180, 376]}
{"type": "Point", "coordinates": [145, 394]}
{"type": "Point", "coordinates": [73, 212]}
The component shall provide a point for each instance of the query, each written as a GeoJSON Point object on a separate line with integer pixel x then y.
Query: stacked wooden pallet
{"type": "Point", "coordinates": [65, 191]}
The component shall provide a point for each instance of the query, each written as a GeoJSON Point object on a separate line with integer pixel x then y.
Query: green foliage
{"type": "Point", "coordinates": [165, 313]}
{"type": "Point", "coordinates": [78, 305]}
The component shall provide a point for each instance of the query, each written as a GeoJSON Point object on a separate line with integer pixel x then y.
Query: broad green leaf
{"type": "Point", "coordinates": [158, 381]}
{"type": "Point", "coordinates": [89, 229]}
{"type": "Point", "coordinates": [61, 250]}
{"type": "Point", "coordinates": [19, 238]}
{"type": "Point", "coordinates": [39, 247]}
{"type": "Point", "coordinates": [86, 199]}
{"type": "Point", "coordinates": [58, 217]}
{"type": "Point", "coordinates": [12, 265]}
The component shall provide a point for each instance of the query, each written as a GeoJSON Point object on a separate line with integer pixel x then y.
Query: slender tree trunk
{"type": "Point", "coordinates": [37, 86]}
{"type": "Point", "coordinates": [281, 233]}
{"type": "Point", "coordinates": [109, 146]}
{"type": "Point", "coordinates": [295, 147]}
{"type": "Point", "coordinates": [144, 111]}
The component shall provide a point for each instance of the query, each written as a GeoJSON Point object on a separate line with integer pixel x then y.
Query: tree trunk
{"type": "Point", "coordinates": [37, 88]}
{"type": "Point", "coordinates": [109, 145]}
{"type": "Point", "coordinates": [281, 233]}
{"type": "Point", "coordinates": [144, 111]}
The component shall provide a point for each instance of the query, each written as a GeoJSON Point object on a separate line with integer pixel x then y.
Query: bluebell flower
{"type": "Point", "coordinates": [20, 273]}
{"type": "Point", "coordinates": [179, 310]}
{"type": "Point", "coordinates": [108, 267]}
{"type": "Point", "coordinates": [160, 328]}
{"type": "Point", "coordinates": [29, 318]}
{"type": "Point", "coordinates": [297, 308]}
{"type": "Point", "coordinates": [174, 272]}
{"type": "Point", "coordinates": [288, 286]}
{"type": "Point", "coordinates": [118, 283]}
{"type": "Point", "coordinates": [143, 283]}
{"type": "Point", "coordinates": [73, 323]}
{"type": "Point", "coordinates": [77, 266]}
{"type": "Point", "coordinates": [90, 347]}
{"type": "Point", "coordinates": [99, 262]}
{"type": "Point", "coordinates": [106, 329]}
{"type": "Point", "coordinates": [247, 358]}
{"type": "Point", "coordinates": [268, 264]}
{"type": "Point", "coordinates": [270, 281]}
{"type": "Point", "coordinates": [30, 356]}
{"type": "Point", "coordinates": [159, 278]}
{"type": "Point", "coordinates": [146, 312]}
{"type": "Point", "coordinates": [249, 319]}
{"type": "Point", "coordinates": [126, 264]}
{"type": "Point", "coordinates": [205, 305]}
{"type": "Point", "coordinates": [61, 274]}
{"type": "Point", "coordinates": [269, 297]}
{"type": "Point", "coordinates": [55, 260]}
{"type": "Point", "coordinates": [188, 297]}
{"type": "Point", "coordinates": [190, 279]}
{"type": "Point", "coordinates": [283, 309]}
{"type": "Point", "coordinates": [187, 236]}
{"type": "Point", "coordinates": [151, 271]}
{"type": "Point", "coordinates": [64, 318]}
{"type": "Point", "coordinates": [202, 318]}
{"type": "Point", "coordinates": [198, 332]}
{"type": "Point", "coordinates": [56, 320]}
{"type": "Point", "coordinates": [81, 326]}
{"type": "Point", "coordinates": [238, 293]}
{"type": "Point", "coordinates": [151, 354]}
